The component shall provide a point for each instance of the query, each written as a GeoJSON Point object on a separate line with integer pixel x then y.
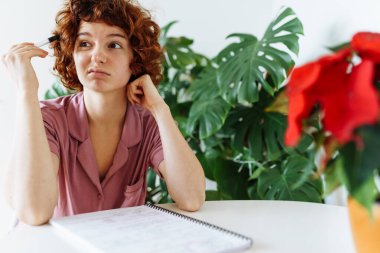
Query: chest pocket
{"type": "Point", "coordinates": [134, 195]}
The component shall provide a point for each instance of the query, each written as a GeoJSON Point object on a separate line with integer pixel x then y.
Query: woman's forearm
{"type": "Point", "coordinates": [31, 183]}
{"type": "Point", "coordinates": [181, 169]}
{"type": "Point", "coordinates": [183, 173]}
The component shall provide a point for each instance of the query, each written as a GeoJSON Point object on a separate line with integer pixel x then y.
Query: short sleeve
{"type": "Point", "coordinates": [156, 154]}
{"type": "Point", "coordinates": [50, 130]}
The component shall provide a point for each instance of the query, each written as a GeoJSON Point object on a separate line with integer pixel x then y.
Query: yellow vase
{"type": "Point", "coordinates": [365, 230]}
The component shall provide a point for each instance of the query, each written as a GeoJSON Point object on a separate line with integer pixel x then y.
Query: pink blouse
{"type": "Point", "coordinates": [80, 189]}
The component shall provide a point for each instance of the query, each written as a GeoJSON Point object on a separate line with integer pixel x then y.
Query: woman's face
{"type": "Point", "coordinates": [102, 57]}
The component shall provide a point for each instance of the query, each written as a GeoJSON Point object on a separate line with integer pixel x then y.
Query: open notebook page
{"type": "Point", "coordinates": [146, 229]}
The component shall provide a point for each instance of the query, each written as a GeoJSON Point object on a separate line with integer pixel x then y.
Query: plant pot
{"type": "Point", "coordinates": [365, 229]}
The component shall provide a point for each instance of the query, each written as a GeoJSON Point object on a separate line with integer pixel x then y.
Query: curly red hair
{"type": "Point", "coordinates": [143, 34]}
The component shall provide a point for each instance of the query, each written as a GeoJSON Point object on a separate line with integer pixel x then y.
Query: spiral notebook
{"type": "Point", "coordinates": [146, 228]}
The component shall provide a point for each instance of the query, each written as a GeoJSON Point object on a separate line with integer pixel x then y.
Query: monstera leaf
{"type": "Point", "coordinates": [232, 182]}
{"type": "Point", "coordinates": [177, 51]}
{"type": "Point", "coordinates": [207, 86]}
{"type": "Point", "coordinates": [259, 132]}
{"type": "Point", "coordinates": [247, 64]}
{"type": "Point", "coordinates": [243, 69]}
{"type": "Point", "coordinates": [210, 114]}
{"type": "Point", "coordinates": [57, 90]}
{"type": "Point", "coordinates": [256, 131]}
{"type": "Point", "coordinates": [281, 182]}
{"type": "Point", "coordinates": [164, 32]}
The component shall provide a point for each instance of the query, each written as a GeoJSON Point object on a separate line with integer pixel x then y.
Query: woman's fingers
{"type": "Point", "coordinates": [29, 51]}
{"type": "Point", "coordinates": [134, 99]}
{"type": "Point", "coordinates": [22, 53]}
{"type": "Point", "coordinates": [143, 89]}
{"type": "Point", "coordinates": [138, 91]}
{"type": "Point", "coordinates": [21, 44]}
{"type": "Point", "coordinates": [18, 64]}
{"type": "Point", "coordinates": [134, 94]}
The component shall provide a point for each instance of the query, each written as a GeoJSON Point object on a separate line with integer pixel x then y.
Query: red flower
{"type": "Point", "coordinates": [367, 44]}
{"type": "Point", "coordinates": [347, 98]}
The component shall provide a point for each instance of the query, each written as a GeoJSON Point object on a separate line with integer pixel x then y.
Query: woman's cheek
{"type": "Point", "coordinates": [79, 61]}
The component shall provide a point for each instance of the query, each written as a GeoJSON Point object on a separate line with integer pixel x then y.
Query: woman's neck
{"type": "Point", "coordinates": [105, 109]}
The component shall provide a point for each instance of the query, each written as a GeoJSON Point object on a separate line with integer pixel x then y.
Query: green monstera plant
{"type": "Point", "coordinates": [223, 106]}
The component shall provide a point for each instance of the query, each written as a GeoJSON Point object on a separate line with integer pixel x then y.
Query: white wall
{"type": "Point", "coordinates": [209, 22]}
{"type": "Point", "coordinates": [20, 21]}
{"type": "Point", "coordinates": [330, 22]}
{"type": "Point", "coordinates": [326, 22]}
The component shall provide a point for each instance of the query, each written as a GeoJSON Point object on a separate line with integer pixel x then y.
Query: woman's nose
{"type": "Point", "coordinates": [98, 55]}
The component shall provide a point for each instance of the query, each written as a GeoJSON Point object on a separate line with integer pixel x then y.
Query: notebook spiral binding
{"type": "Point", "coordinates": [203, 223]}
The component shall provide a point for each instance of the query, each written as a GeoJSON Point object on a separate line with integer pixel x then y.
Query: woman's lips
{"type": "Point", "coordinates": [97, 73]}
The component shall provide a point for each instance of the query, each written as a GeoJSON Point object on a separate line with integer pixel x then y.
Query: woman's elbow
{"type": "Point", "coordinates": [34, 216]}
{"type": "Point", "coordinates": [193, 204]}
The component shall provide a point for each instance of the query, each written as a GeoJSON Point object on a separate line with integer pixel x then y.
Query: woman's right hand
{"type": "Point", "coordinates": [18, 63]}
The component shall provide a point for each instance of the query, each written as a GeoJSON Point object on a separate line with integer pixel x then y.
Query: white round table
{"type": "Point", "coordinates": [274, 226]}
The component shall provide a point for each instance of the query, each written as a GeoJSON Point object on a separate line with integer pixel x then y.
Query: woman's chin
{"type": "Point", "coordinates": [102, 87]}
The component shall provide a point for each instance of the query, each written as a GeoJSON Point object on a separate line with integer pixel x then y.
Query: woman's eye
{"type": "Point", "coordinates": [83, 44]}
{"type": "Point", "coordinates": [114, 45]}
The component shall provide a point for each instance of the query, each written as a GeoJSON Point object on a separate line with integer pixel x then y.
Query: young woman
{"type": "Point", "coordinates": [90, 151]}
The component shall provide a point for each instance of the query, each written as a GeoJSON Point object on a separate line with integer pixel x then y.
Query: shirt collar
{"type": "Point", "coordinates": [79, 128]}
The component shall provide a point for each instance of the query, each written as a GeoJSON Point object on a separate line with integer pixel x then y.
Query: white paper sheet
{"type": "Point", "coordinates": [144, 229]}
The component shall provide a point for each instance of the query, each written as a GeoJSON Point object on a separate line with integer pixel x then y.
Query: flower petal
{"type": "Point", "coordinates": [340, 56]}
{"type": "Point", "coordinates": [353, 104]}
{"type": "Point", "coordinates": [299, 106]}
{"type": "Point", "coordinates": [302, 78]}
{"type": "Point", "coordinates": [367, 45]}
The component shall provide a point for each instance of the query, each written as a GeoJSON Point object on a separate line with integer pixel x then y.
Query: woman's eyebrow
{"type": "Point", "coordinates": [117, 35]}
{"type": "Point", "coordinates": [109, 35]}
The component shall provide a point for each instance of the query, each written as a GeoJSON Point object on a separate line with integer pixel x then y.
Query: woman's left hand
{"type": "Point", "coordinates": [143, 92]}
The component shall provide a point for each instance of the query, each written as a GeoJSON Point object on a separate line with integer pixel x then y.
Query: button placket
{"type": "Point", "coordinates": [101, 201]}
